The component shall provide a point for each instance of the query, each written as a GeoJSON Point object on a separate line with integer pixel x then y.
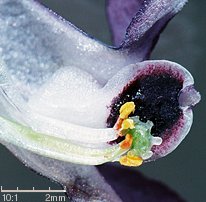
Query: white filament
{"type": "Point", "coordinates": [53, 147]}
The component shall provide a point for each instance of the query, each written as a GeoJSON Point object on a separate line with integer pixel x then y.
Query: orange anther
{"type": "Point", "coordinates": [119, 124]}
{"type": "Point", "coordinates": [127, 143]}
{"type": "Point", "coordinates": [127, 124]}
{"type": "Point", "coordinates": [131, 160]}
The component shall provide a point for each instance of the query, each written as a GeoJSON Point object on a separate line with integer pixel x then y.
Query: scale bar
{"type": "Point", "coordinates": [32, 191]}
{"type": "Point", "coordinates": [29, 191]}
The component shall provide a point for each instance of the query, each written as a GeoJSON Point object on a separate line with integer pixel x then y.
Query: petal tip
{"type": "Point", "coordinates": [189, 97]}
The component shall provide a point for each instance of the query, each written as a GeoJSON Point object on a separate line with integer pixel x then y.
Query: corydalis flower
{"type": "Point", "coordinates": [61, 89]}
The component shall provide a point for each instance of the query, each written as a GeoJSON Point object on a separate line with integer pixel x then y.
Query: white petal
{"type": "Point", "coordinates": [35, 42]}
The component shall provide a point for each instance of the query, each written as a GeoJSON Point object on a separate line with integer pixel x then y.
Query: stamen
{"type": "Point", "coordinates": [127, 143]}
{"type": "Point", "coordinates": [127, 124]}
{"type": "Point", "coordinates": [126, 109]}
{"type": "Point", "coordinates": [130, 160]}
{"type": "Point", "coordinates": [54, 147]}
{"type": "Point", "coordinates": [118, 125]}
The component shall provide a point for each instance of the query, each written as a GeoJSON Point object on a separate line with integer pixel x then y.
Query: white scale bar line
{"type": "Point", "coordinates": [30, 191]}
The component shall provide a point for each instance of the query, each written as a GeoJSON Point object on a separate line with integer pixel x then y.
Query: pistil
{"type": "Point", "coordinates": [138, 140]}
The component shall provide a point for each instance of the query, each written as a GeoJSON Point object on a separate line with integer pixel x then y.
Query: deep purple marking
{"type": "Point", "coordinates": [155, 93]}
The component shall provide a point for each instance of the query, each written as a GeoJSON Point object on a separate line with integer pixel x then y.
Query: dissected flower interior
{"type": "Point", "coordinates": [54, 123]}
{"type": "Point", "coordinates": [66, 97]}
{"type": "Point", "coordinates": [64, 94]}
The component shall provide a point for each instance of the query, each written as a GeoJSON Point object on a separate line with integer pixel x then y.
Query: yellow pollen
{"type": "Point", "coordinates": [127, 143]}
{"type": "Point", "coordinates": [131, 160]}
{"type": "Point", "coordinates": [126, 109]}
{"type": "Point", "coordinates": [127, 124]}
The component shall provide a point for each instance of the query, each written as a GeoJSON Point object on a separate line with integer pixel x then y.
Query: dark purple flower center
{"type": "Point", "coordinates": [156, 98]}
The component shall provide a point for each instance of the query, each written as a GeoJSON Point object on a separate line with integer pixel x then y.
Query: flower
{"type": "Point", "coordinates": [60, 89]}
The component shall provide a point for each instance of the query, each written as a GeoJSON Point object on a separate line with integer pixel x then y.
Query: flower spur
{"type": "Point", "coordinates": [60, 89]}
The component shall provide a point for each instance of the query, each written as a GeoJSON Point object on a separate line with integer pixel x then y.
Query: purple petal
{"type": "Point", "coordinates": [132, 186]}
{"type": "Point", "coordinates": [189, 97]}
{"type": "Point", "coordinates": [136, 24]}
{"type": "Point", "coordinates": [120, 14]}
